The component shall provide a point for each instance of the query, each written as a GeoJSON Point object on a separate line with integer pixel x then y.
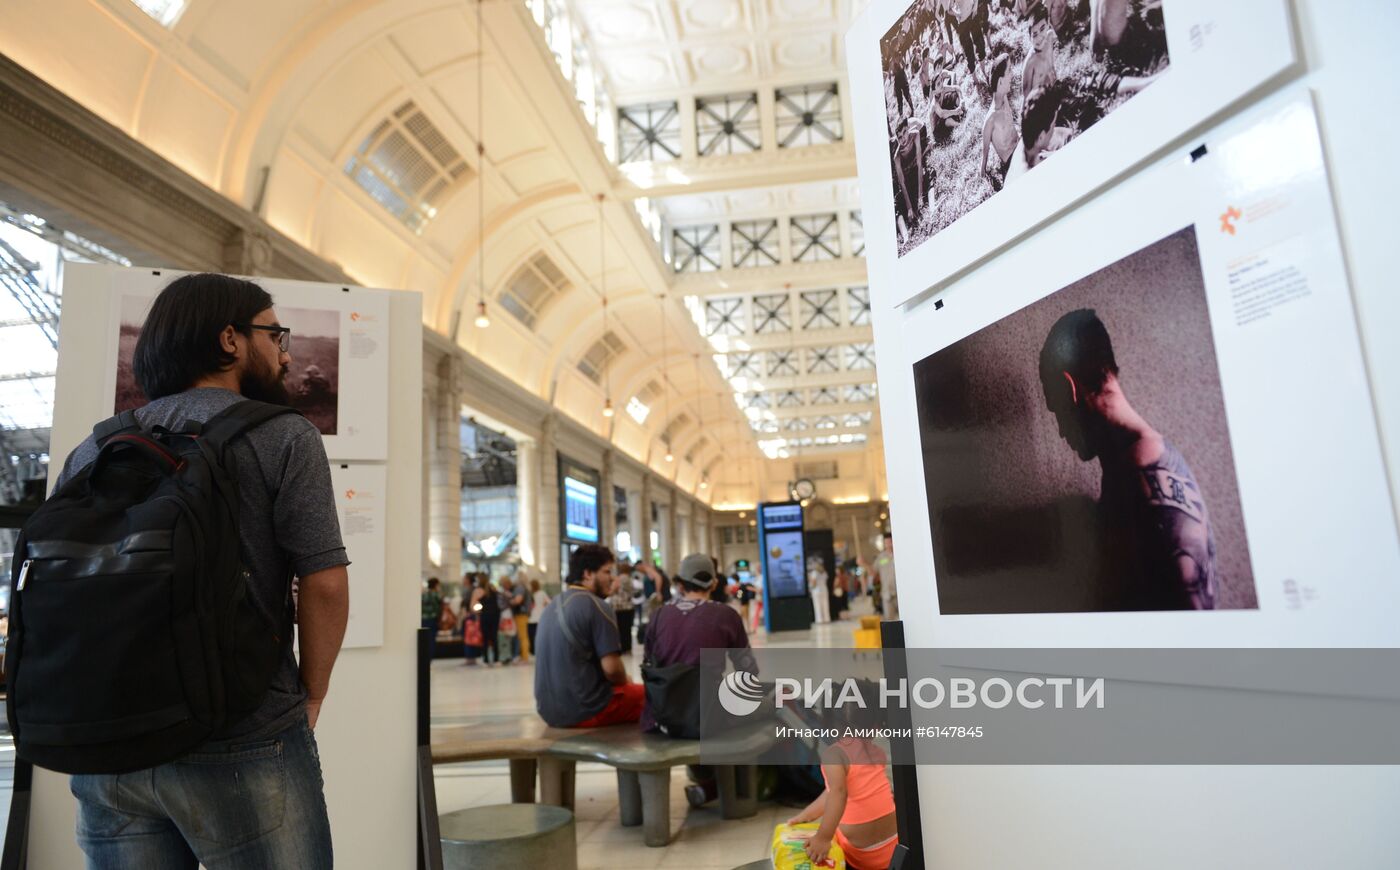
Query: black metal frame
{"type": "Point", "coordinates": [724, 119]}
{"type": "Point", "coordinates": [858, 305]}
{"type": "Point", "coordinates": [770, 309]}
{"type": "Point", "coordinates": [810, 110]}
{"type": "Point", "coordinates": [782, 363]}
{"type": "Point", "coordinates": [695, 249]}
{"type": "Point", "coordinates": [822, 360]}
{"type": "Point", "coordinates": [641, 130]}
{"type": "Point", "coordinates": [723, 317]}
{"type": "Point", "coordinates": [821, 239]}
{"type": "Point", "coordinates": [760, 242]}
{"type": "Point", "coordinates": [820, 309]}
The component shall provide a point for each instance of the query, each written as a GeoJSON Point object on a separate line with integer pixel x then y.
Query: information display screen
{"type": "Point", "coordinates": [783, 557]}
{"type": "Point", "coordinates": [580, 510]}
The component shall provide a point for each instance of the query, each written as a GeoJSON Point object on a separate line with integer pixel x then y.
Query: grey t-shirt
{"type": "Point", "coordinates": [287, 524]}
{"type": "Point", "coordinates": [569, 682]}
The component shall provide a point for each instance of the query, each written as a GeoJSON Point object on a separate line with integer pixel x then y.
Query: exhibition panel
{"type": "Point", "coordinates": [1145, 406]}
{"type": "Point", "coordinates": [377, 505]}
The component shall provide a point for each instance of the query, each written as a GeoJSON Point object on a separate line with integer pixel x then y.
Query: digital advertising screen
{"type": "Point", "coordinates": [783, 557]}
{"type": "Point", "coordinates": [580, 515]}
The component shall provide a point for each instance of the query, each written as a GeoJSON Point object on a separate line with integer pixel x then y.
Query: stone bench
{"type": "Point", "coordinates": [643, 763]}
{"type": "Point", "coordinates": [516, 835]}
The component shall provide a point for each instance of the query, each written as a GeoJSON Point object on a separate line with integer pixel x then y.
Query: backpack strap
{"type": "Point", "coordinates": [221, 429]}
{"type": "Point", "coordinates": [124, 423]}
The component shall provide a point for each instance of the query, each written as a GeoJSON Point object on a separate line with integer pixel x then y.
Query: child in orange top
{"type": "Point", "coordinates": [857, 808]}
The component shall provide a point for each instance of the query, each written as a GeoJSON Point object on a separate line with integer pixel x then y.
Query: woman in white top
{"type": "Point", "coordinates": [816, 584]}
{"type": "Point", "coordinates": [539, 598]}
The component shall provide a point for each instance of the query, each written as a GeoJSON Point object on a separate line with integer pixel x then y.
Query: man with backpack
{"type": "Point", "coordinates": [189, 726]}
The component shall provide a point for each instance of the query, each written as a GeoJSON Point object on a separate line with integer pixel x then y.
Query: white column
{"type": "Point", "coordinates": [424, 507]}
{"type": "Point", "coordinates": [527, 490]}
{"type": "Point", "coordinates": [607, 505]}
{"type": "Point", "coordinates": [672, 542]}
{"type": "Point", "coordinates": [643, 524]}
{"type": "Point", "coordinates": [445, 474]}
{"type": "Point", "coordinates": [548, 505]}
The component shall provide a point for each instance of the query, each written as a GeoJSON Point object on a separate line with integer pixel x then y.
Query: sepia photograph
{"type": "Point", "coordinates": [312, 379]}
{"type": "Point", "coordinates": [1077, 456]}
{"type": "Point", "coordinates": [979, 92]}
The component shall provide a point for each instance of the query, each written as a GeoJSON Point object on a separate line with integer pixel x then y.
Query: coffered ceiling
{"type": "Point", "coordinates": [652, 48]}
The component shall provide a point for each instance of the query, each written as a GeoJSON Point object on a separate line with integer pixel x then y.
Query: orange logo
{"type": "Point", "coordinates": [355, 316]}
{"type": "Point", "coordinates": [1227, 220]}
{"type": "Point", "coordinates": [350, 493]}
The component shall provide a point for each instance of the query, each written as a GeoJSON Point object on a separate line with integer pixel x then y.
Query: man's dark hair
{"type": "Point", "coordinates": [179, 342]}
{"type": "Point", "coordinates": [999, 69]}
{"type": "Point", "coordinates": [1078, 343]}
{"type": "Point", "coordinates": [889, 536]}
{"type": "Point", "coordinates": [589, 557]}
{"type": "Point", "coordinates": [434, 582]}
{"type": "Point", "coordinates": [1042, 108]}
{"type": "Point", "coordinates": [1038, 15]}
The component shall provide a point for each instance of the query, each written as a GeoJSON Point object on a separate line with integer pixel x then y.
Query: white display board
{"type": "Point", "coordinates": [1258, 816]}
{"type": "Point", "coordinates": [339, 374]}
{"type": "Point", "coordinates": [372, 688]}
{"type": "Point", "coordinates": [1247, 230]}
{"type": "Point", "coordinates": [1114, 107]}
{"type": "Point", "coordinates": [360, 505]}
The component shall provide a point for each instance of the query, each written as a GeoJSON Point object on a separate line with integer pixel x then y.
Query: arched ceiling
{"type": "Point", "coordinates": [270, 101]}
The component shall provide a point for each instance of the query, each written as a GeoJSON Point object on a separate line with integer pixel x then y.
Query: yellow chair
{"type": "Point", "coordinates": [867, 638]}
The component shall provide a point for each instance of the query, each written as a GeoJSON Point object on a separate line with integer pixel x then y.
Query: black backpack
{"type": "Point", "coordinates": [132, 639]}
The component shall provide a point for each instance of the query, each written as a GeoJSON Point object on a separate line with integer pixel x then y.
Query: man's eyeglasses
{"type": "Point", "coordinates": [283, 334]}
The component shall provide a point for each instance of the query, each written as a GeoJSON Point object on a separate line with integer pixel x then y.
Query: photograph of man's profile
{"type": "Point", "coordinates": [1077, 456]}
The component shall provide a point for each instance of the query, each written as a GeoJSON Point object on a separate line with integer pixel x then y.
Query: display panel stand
{"type": "Point", "coordinates": [372, 692]}
{"type": "Point", "coordinates": [904, 778]}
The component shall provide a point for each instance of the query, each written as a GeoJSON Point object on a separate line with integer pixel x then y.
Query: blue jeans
{"type": "Point", "coordinates": [231, 804]}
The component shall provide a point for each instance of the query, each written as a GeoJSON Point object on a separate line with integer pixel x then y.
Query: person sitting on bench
{"type": "Point", "coordinates": [579, 678]}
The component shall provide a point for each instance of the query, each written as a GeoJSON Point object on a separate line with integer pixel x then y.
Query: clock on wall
{"type": "Point", "coordinates": [802, 489]}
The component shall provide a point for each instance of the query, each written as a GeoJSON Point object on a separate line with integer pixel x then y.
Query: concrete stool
{"type": "Point", "coordinates": [509, 835]}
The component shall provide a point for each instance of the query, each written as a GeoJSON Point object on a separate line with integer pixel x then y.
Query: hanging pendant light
{"type": "Point", "coordinates": [482, 320]}
{"type": "Point", "coordinates": [603, 284]}
{"type": "Point", "coordinates": [665, 363]}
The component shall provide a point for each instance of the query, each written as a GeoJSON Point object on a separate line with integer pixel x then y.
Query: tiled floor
{"type": "Point", "coordinates": [700, 840]}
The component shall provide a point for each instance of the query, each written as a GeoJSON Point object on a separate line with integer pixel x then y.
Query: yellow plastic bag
{"type": "Point", "coordinates": [788, 853]}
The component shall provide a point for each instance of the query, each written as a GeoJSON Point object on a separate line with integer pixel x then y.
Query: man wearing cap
{"type": "Point", "coordinates": [691, 622]}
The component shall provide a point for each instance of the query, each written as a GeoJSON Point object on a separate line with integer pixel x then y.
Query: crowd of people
{"type": "Point", "coordinates": [580, 635]}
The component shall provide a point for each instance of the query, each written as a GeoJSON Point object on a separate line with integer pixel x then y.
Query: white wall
{"type": "Point", "coordinates": [1156, 818]}
{"type": "Point", "coordinates": [366, 732]}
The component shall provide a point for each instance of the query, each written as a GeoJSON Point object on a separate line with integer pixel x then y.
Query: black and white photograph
{"type": "Point", "coordinates": [312, 378]}
{"type": "Point", "coordinates": [979, 92]}
{"type": "Point", "coordinates": [1077, 455]}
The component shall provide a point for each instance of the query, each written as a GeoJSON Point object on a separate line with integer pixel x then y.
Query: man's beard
{"type": "Point", "coordinates": [265, 385]}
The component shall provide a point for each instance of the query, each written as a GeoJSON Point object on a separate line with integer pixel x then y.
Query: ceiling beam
{"type": "Point", "coordinates": [732, 171]}
{"type": "Point", "coordinates": [843, 272]}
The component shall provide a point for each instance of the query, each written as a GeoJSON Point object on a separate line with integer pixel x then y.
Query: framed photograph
{"type": "Point", "coordinates": [1165, 438]}
{"type": "Point", "coordinates": [338, 339]}
{"type": "Point", "coordinates": [981, 119]}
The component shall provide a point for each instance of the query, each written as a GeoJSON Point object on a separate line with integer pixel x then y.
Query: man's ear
{"type": "Point", "coordinates": [227, 343]}
{"type": "Point", "coordinates": [1073, 388]}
